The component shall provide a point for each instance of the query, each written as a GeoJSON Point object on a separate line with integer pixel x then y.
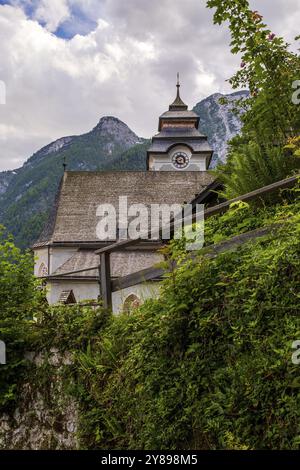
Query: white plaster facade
{"type": "Point", "coordinates": [84, 290]}
{"type": "Point", "coordinates": [147, 290]}
{"type": "Point", "coordinates": [197, 162]}
{"type": "Point", "coordinates": [52, 258]}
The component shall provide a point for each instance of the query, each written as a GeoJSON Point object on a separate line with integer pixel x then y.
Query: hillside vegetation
{"type": "Point", "coordinates": [207, 365]}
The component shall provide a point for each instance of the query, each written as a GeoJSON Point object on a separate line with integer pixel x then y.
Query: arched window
{"type": "Point", "coordinates": [43, 270]}
{"type": "Point", "coordinates": [131, 302]}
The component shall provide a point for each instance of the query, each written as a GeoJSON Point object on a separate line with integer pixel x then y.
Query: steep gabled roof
{"type": "Point", "coordinates": [67, 297]}
{"type": "Point", "coordinates": [74, 217]}
{"type": "Point", "coordinates": [49, 227]}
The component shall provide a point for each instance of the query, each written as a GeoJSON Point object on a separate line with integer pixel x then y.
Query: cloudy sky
{"type": "Point", "coordinates": [66, 63]}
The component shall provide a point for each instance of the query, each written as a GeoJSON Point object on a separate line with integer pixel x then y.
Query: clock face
{"type": "Point", "coordinates": [180, 160]}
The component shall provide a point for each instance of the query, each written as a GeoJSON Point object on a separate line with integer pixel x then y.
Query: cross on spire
{"type": "Point", "coordinates": [178, 86]}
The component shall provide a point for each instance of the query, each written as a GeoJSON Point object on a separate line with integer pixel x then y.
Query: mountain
{"type": "Point", "coordinates": [5, 178]}
{"type": "Point", "coordinates": [27, 194]}
{"type": "Point", "coordinates": [218, 121]}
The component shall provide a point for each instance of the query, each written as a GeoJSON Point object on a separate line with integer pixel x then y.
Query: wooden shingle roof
{"type": "Point", "coordinates": [67, 297]}
{"type": "Point", "coordinates": [74, 216]}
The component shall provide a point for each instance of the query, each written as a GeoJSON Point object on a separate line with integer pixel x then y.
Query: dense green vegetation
{"type": "Point", "coordinates": [207, 365]}
{"type": "Point", "coordinates": [270, 116]}
{"type": "Point", "coordinates": [19, 301]}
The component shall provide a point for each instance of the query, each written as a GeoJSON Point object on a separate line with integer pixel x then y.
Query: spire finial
{"type": "Point", "coordinates": [178, 104]}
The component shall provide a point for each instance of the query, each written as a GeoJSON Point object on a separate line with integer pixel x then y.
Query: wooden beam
{"type": "Point", "coordinates": [75, 278]}
{"type": "Point", "coordinates": [148, 274]}
{"type": "Point", "coordinates": [271, 188]}
{"type": "Point", "coordinates": [105, 280]}
{"type": "Point", "coordinates": [68, 273]}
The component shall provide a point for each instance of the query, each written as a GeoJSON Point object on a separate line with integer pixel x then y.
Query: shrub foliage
{"type": "Point", "coordinates": [207, 365]}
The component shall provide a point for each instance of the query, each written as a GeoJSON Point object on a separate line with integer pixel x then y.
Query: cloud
{"type": "Point", "coordinates": [125, 66]}
{"type": "Point", "coordinates": [52, 13]}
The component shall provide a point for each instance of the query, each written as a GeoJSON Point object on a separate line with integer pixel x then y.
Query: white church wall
{"type": "Point", "coordinates": [59, 255]}
{"type": "Point", "coordinates": [82, 290]}
{"type": "Point", "coordinates": [142, 291]}
{"type": "Point", "coordinates": [200, 161]}
{"type": "Point", "coordinates": [90, 291]}
{"type": "Point", "coordinates": [164, 162]}
{"type": "Point", "coordinates": [41, 260]}
{"type": "Point", "coordinates": [197, 163]}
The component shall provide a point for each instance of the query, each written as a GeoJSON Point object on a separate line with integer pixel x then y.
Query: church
{"type": "Point", "coordinates": [177, 163]}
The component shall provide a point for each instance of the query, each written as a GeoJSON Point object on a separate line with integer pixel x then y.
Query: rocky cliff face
{"type": "Point", "coordinates": [218, 122]}
{"type": "Point", "coordinates": [115, 134]}
{"type": "Point", "coordinates": [57, 145]}
{"type": "Point", "coordinates": [118, 130]}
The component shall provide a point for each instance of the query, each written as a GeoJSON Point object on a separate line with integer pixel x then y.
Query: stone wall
{"type": "Point", "coordinates": [45, 417]}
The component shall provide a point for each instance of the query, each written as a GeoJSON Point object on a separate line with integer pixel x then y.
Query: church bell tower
{"type": "Point", "coordinates": [179, 146]}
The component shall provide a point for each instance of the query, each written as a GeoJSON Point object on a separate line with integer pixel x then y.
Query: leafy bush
{"type": "Point", "coordinates": [270, 117]}
{"type": "Point", "coordinates": [250, 166]}
{"type": "Point", "coordinates": [28, 323]}
{"type": "Point", "coordinates": [68, 327]}
{"type": "Point", "coordinates": [19, 300]}
{"type": "Point", "coordinates": [208, 364]}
